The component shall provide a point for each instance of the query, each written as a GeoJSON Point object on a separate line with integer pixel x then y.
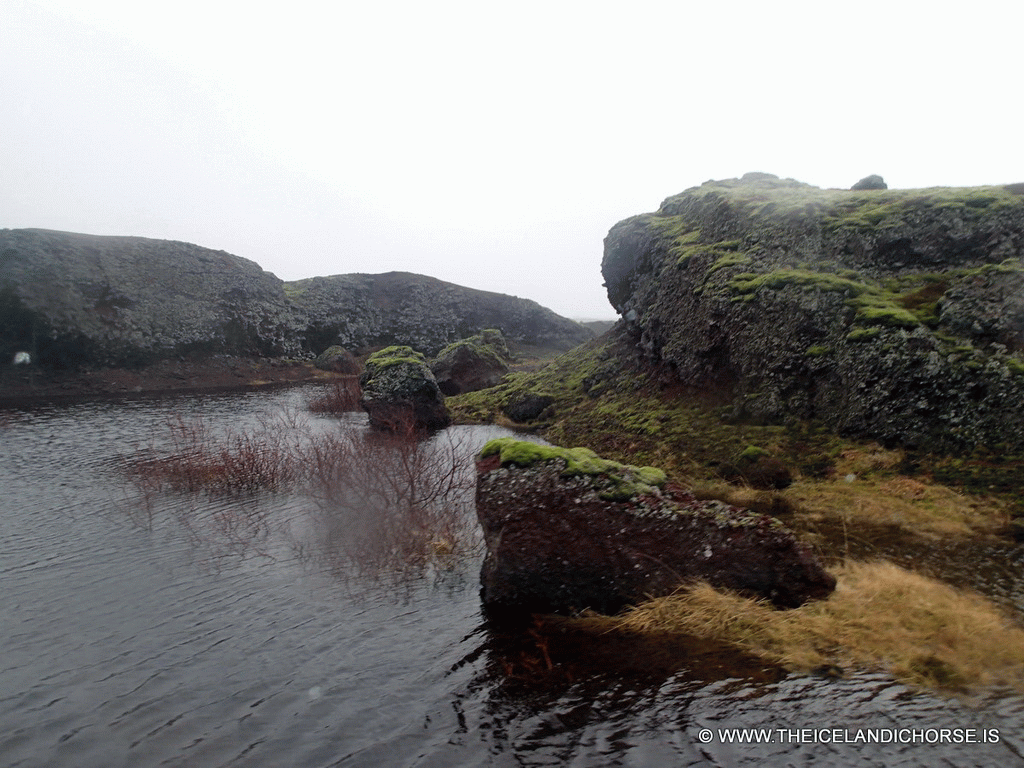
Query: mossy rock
{"type": "Point", "coordinates": [618, 482]}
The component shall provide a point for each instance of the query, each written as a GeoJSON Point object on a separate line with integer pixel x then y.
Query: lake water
{"type": "Point", "coordinates": [188, 629]}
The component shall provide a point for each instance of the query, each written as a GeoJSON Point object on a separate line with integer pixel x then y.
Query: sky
{"type": "Point", "coordinates": [488, 144]}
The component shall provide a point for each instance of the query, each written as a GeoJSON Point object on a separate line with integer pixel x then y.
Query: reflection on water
{"type": "Point", "coordinates": [206, 629]}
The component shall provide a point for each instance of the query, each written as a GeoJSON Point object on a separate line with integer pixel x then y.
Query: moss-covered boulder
{"type": "Point", "coordinates": [889, 314]}
{"type": "Point", "coordinates": [400, 393]}
{"type": "Point", "coordinates": [478, 362]}
{"type": "Point", "coordinates": [337, 359]}
{"type": "Point", "coordinates": [566, 530]}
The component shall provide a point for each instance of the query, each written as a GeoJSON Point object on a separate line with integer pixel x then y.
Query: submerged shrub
{"type": "Point", "coordinates": [340, 396]}
{"type": "Point", "coordinates": [233, 462]}
{"type": "Point", "coordinates": [392, 502]}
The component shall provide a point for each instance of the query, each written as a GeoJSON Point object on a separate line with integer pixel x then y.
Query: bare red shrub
{"type": "Point", "coordinates": [340, 396]}
{"type": "Point", "coordinates": [384, 504]}
{"type": "Point", "coordinates": [391, 502]}
{"type": "Point", "coordinates": [198, 460]}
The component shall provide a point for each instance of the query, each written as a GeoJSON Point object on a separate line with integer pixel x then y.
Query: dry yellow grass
{"type": "Point", "coordinates": [881, 616]}
{"type": "Point", "coordinates": [913, 505]}
{"type": "Point", "coordinates": [864, 491]}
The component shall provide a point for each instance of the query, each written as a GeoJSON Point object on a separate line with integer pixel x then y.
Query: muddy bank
{"type": "Point", "coordinates": [23, 384]}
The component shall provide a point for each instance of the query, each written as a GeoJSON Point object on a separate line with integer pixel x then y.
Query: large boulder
{"type": "Point", "coordinates": [337, 359]}
{"type": "Point", "coordinates": [874, 181]}
{"type": "Point", "coordinates": [893, 315]}
{"type": "Point", "coordinates": [400, 393]}
{"type": "Point", "coordinates": [566, 530]}
{"type": "Point", "coordinates": [479, 362]}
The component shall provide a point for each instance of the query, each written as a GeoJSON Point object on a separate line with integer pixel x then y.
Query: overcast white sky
{"type": "Point", "coordinates": [491, 145]}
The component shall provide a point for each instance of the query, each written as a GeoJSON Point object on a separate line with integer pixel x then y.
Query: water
{"type": "Point", "coordinates": [190, 630]}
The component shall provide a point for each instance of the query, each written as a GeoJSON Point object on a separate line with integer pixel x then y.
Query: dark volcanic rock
{"type": "Point", "coordinates": [400, 393]}
{"type": "Point", "coordinates": [874, 181]}
{"type": "Point", "coordinates": [74, 300]}
{"type": "Point", "coordinates": [338, 360]}
{"type": "Point", "coordinates": [567, 531]}
{"type": "Point", "coordinates": [890, 314]}
{"type": "Point", "coordinates": [527, 407]}
{"type": "Point", "coordinates": [475, 363]}
{"type": "Point", "coordinates": [363, 312]}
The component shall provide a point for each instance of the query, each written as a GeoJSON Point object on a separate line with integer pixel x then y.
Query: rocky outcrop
{"type": "Point", "coordinates": [566, 530]}
{"type": "Point", "coordinates": [73, 300]}
{"type": "Point", "coordinates": [478, 362]}
{"type": "Point", "coordinates": [338, 360]}
{"type": "Point", "coordinates": [890, 314]}
{"type": "Point", "coordinates": [400, 393]}
{"type": "Point", "coordinates": [364, 312]}
{"type": "Point", "coordinates": [874, 181]}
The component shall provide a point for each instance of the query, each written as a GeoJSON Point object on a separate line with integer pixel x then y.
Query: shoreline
{"type": "Point", "coordinates": [221, 374]}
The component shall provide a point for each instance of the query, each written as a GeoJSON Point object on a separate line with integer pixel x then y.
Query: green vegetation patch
{"type": "Point", "coordinates": [874, 304]}
{"type": "Point", "coordinates": [626, 481]}
{"type": "Point", "coordinates": [782, 200]}
{"type": "Point", "coordinates": [863, 334]}
{"type": "Point", "coordinates": [486, 345]}
{"type": "Point", "coordinates": [730, 260]}
{"type": "Point", "coordinates": [293, 290]}
{"type": "Point", "coordinates": [389, 357]}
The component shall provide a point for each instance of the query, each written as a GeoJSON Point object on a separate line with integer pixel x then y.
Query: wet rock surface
{"type": "Point", "coordinates": [558, 541]}
{"type": "Point", "coordinates": [399, 392]}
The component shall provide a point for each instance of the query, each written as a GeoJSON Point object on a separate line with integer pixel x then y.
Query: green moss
{"type": "Point", "coordinates": [818, 351]}
{"type": "Point", "coordinates": [880, 309]}
{"type": "Point", "coordinates": [752, 453]}
{"type": "Point", "coordinates": [874, 304]}
{"type": "Point", "coordinates": [624, 481]}
{"type": "Point", "coordinates": [293, 290]}
{"type": "Point", "coordinates": [780, 278]}
{"type": "Point", "coordinates": [730, 260]}
{"type": "Point", "coordinates": [484, 345]}
{"type": "Point", "coordinates": [862, 334]}
{"type": "Point", "coordinates": [776, 201]}
{"type": "Point", "coordinates": [390, 357]}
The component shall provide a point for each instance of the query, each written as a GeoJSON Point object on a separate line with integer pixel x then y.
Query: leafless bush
{"type": "Point", "coordinates": [392, 503]}
{"type": "Point", "coordinates": [340, 396]}
{"type": "Point", "coordinates": [234, 462]}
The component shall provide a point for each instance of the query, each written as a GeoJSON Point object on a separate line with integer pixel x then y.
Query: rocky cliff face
{"type": "Point", "coordinates": [892, 314]}
{"type": "Point", "coordinates": [367, 311]}
{"type": "Point", "coordinates": [74, 300]}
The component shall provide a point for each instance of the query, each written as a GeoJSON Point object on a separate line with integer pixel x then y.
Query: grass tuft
{"type": "Point", "coordinates": [881, 616]}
